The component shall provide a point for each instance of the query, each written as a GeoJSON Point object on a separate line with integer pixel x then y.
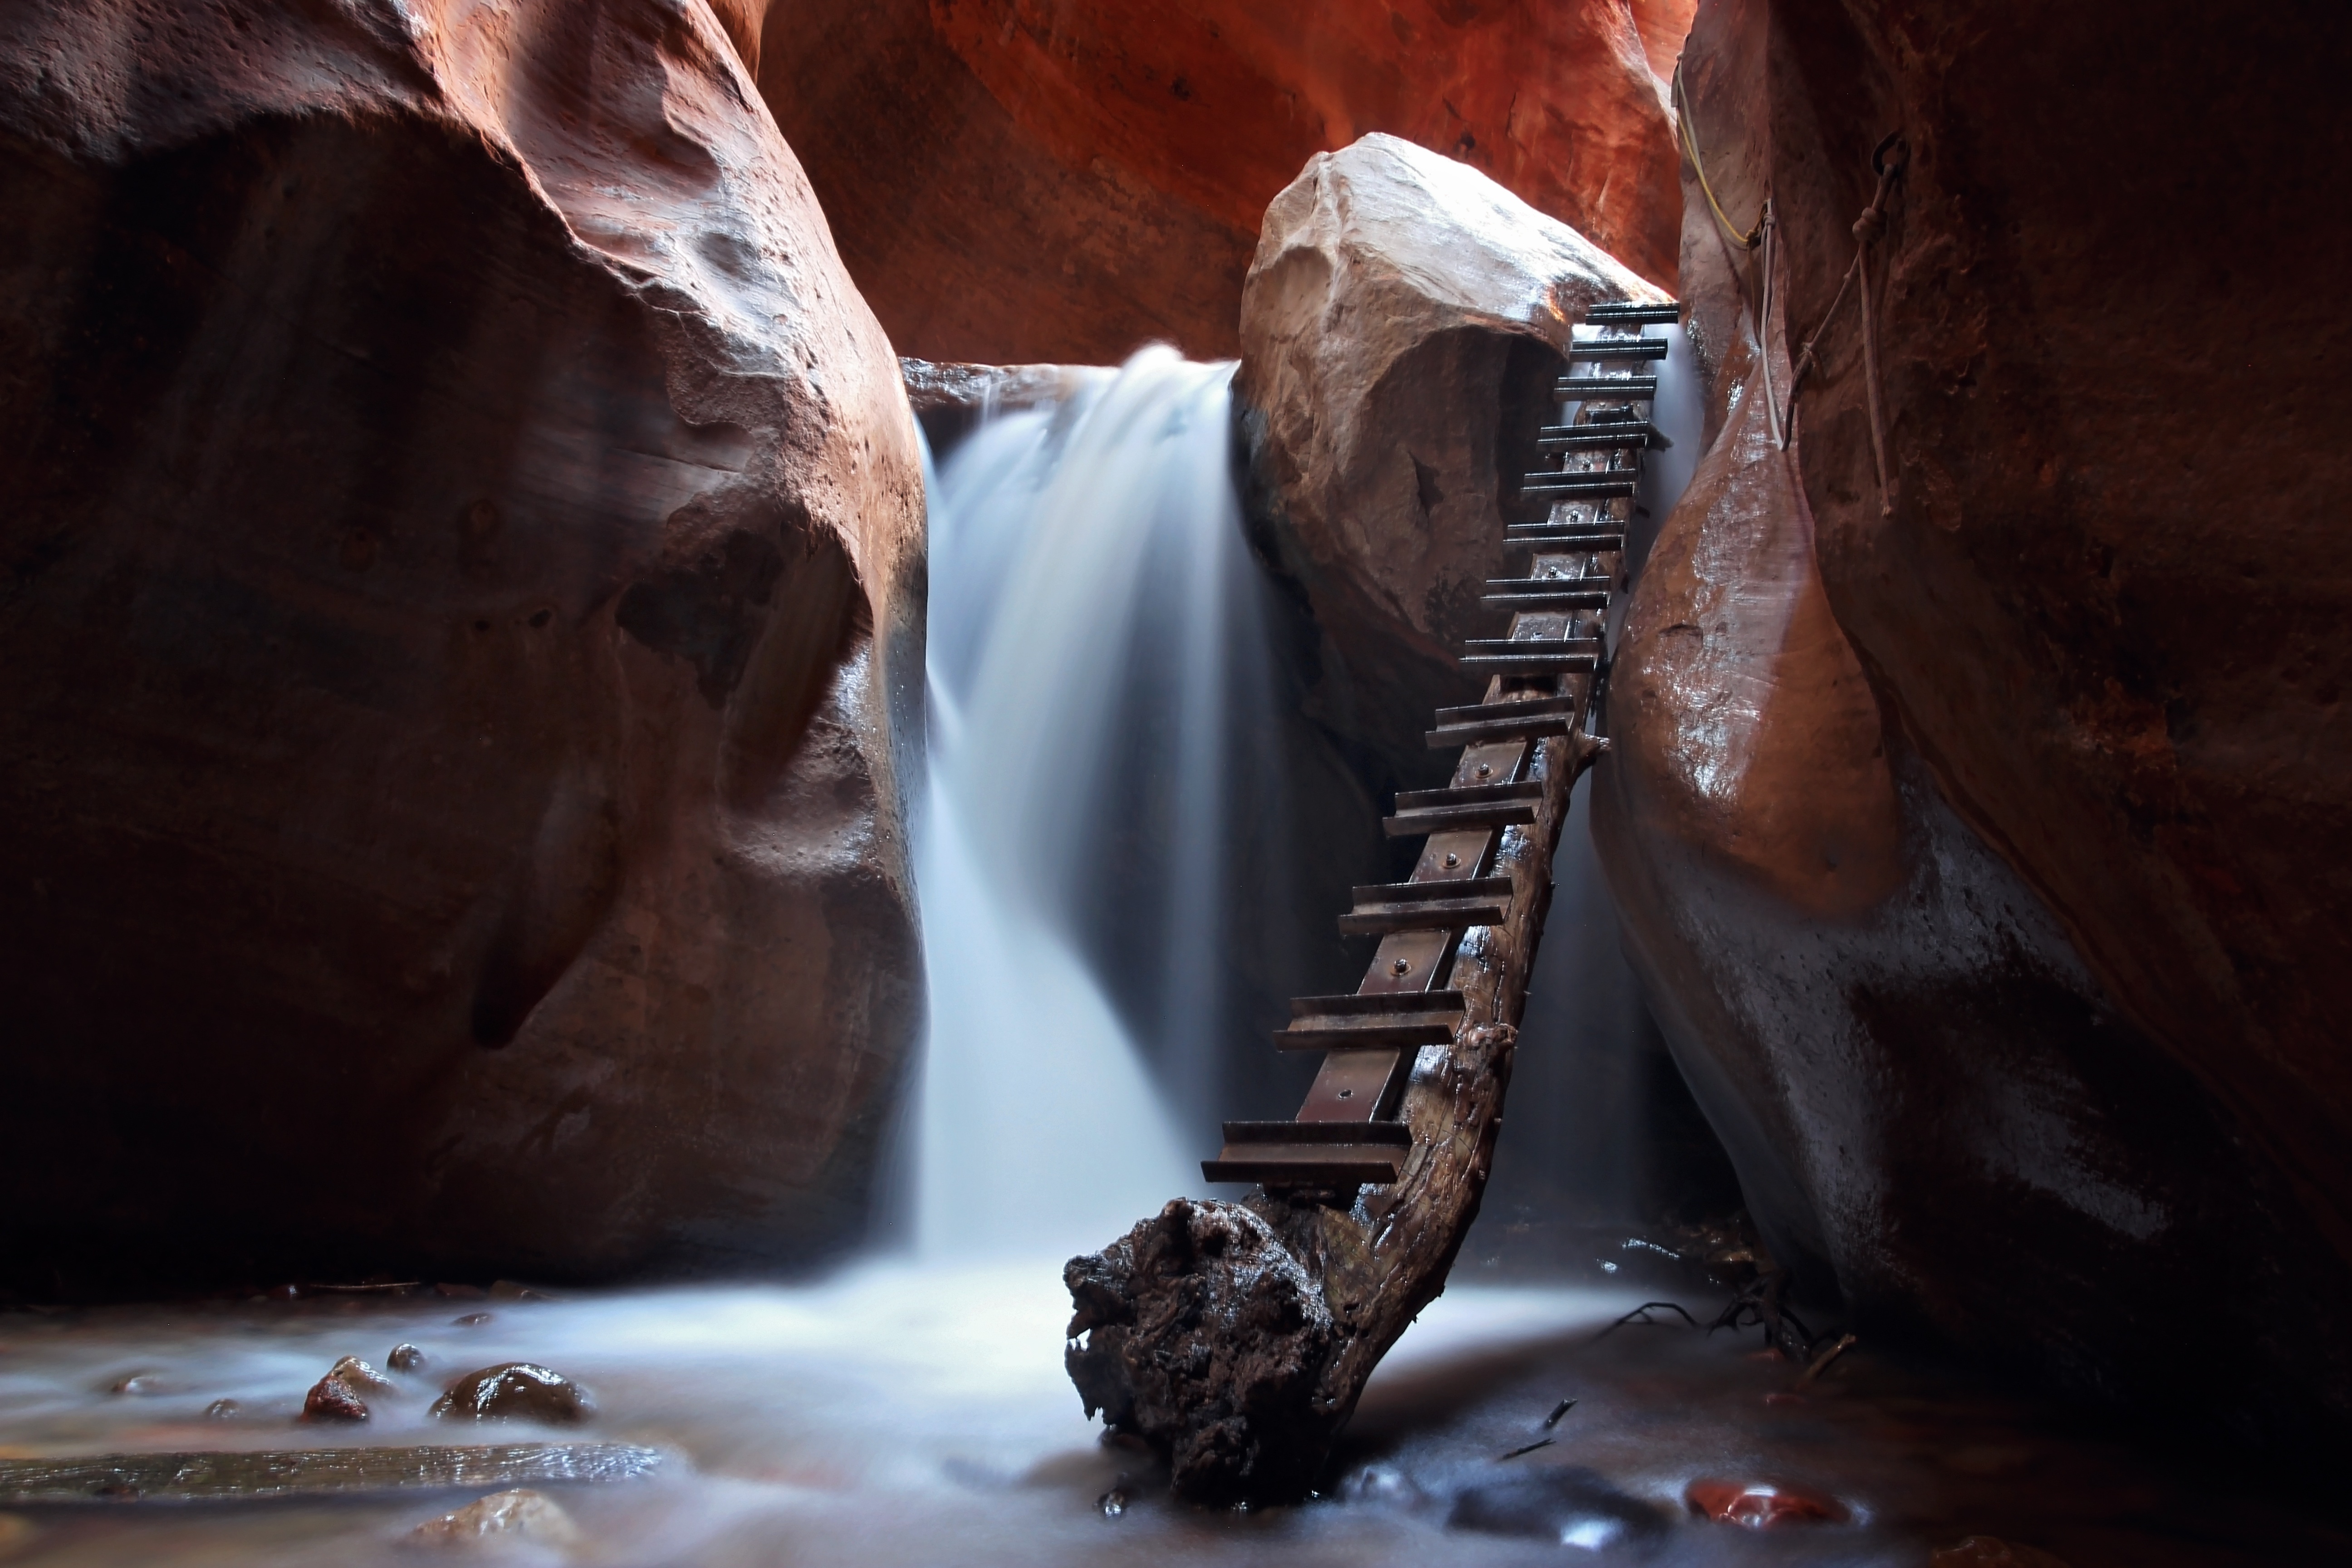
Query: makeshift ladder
{"type": "Point", "coordinates": [1544, 673]}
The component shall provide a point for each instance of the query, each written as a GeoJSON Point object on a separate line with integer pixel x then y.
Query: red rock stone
{"type": "Point", "coordinates": [1903, 815]}
{"type": "Point", "coordinates": [1014, 181]}
{"type": "Point", "coordinates": [1756, 1505]}
{"type": "Point", "coordinates": [332, 1399]}
{"type": "Point", "coordinates": [460, 516]}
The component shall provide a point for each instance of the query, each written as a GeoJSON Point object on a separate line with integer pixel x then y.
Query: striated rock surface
{"type": "Point", "coordinates": [461, 595]}
{"type": "Point", "coordinates": [1016, 181]}
{"type": "Point", "coordinates": [1973, 852]}
{"type": "Point", "coordinates": [1403, 324]}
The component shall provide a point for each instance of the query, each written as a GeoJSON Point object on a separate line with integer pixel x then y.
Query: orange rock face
{"type": "Point", "coordinates": [459, 517]}
{"type": "Point", "coordinates": [1011, 180]}
{"type": "Point", "coordinates": [1977, 848]}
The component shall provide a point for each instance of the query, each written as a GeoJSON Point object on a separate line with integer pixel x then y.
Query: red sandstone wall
{"type": "Point", "coordinates": [1011, 181]}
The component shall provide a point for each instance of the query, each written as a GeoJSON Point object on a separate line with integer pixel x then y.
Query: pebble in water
{"type": "Point", "coordinates": [405, 1358]}
{"type": "Point", "coordinates": [359, 1377]}
{"type": "Point", "coordinates": [473, 1320]}
{"type": "Point", "coordinates": [331, 1399]}
{"type": "Point", "coordinates": [1572, 1505]}
{"type": "Point", "coordinates": [138, 1383]}
{"type": "Point", "coordinates": [519, 1391]}
{"type": "Point", "coordinates": [522, 1515]}
{"type": "Point", "coordinates": [223, 1410]}
{"type": "Point", "coordinates": [1758, 1506]}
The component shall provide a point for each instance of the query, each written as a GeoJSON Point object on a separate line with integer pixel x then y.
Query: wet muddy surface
{"type": "Point", "coordinates": [920, 1416]}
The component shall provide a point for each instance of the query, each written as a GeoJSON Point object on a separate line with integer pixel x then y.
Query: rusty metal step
{"type": "Point", "coordinates": [1603, 388]}
{"type": "Point", "coordinates": [1456, 904]}
{"type": "Point", "coordinates": [1572, 535]}
{"type": "Point", "coordinates": [1546, 593]}
{"type": "Point", "coordinates": [1602, 482]}
{"type": "Point", "coordinates": [1311, 1154]}
{"type": "Point", "coordinates": [1602, 435]}
{"type": "Point", "coordinates": [1617, 348]}
{"type": "Point", "coordinates": [1502, 722]}
{"type": "Point", "coordinates": [1622, 311]}
{"type": "Point", "coordinates": [1468, 806]}
{"type": "Point", "coordinates": [1552, 656]}
{"type": "Point", "coordinates": [1391, 1020]}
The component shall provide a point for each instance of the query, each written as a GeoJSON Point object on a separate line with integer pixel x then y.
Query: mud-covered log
{"type": "Point", "coordinates": [233, 1476]}
{"type": "Point", "coordinates": [1237, 1338]}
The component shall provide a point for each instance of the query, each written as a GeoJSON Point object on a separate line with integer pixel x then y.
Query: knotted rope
{"type": "Point", "coordinates": [1888, 159]}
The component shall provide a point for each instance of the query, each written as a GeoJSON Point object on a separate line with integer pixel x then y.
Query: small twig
{"type": "Point", "coordinates": [1822, 1361]}
{"type": "Point", "coordinates": [1641, 1314]}
{"type": "Point", "coordinates": [1562, 1408]}
{"type": "Point", "coordinates": [1543, 1443]}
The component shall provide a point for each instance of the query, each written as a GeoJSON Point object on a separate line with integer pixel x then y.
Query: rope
{"type": "Point", "coordinates": [1764, 330]}
{"type": "Point", "coordinates": [1888, 160]}
{"type": "Point", "coordinates": [1686, 138]}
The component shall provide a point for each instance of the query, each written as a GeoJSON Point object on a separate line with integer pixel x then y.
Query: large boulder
{"type": "Point", "coordinates": [1403, 324]}
{"type": "Point", "coordinates": [462, 615]}
{"type": "Point", "coordinates": [1977, 851]}
{"type": "Point", "coordinates": [1015, 181]}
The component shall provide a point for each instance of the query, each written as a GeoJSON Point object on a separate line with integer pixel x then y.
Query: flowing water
{"type": "Point", "coordinates": [1088, 586]}
{"type": "Point", "coordinates": [1093, 635]}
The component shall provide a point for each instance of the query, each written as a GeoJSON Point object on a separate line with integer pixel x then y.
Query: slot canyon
{"type": "Point", "coordinates": [724, 842]}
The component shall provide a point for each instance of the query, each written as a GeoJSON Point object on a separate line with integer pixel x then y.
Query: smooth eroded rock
{"type": "Point", "coordinates": [332, 1399]}
{"type": "Point", "coordinates": [1015, 183]}
{"type": "Point", "coordinates": [516, 1391]}
{"type": "Point", "coordinates": [1402, 324]}
{"type": "Point", "coordinates": [463, 560]}
{"type": "Point", "coordinates": [1957, 876]}
{"type": "Point", "coordinates": [521, 1515]}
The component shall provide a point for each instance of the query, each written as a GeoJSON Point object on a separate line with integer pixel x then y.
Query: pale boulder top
{"type": "Point", "coordinates": [1444, 231]}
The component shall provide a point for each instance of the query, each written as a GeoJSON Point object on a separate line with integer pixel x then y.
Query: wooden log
{"type": "Point", "coordinates": [235, 1474]}
{"type": "Point", "coordinates": [1237, 1338]}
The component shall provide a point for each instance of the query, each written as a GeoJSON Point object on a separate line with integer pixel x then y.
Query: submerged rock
{"type": "Point", "coordinates": [405, 1358]}
{"type": "Point", "coordinates": [1756, 1505]}
{"type": "Point", "coordinates": [517, 1391]}
{"type": "Point", "coordinates": [522, 1515]}
{"type": "Point", "coordinates": [1571, 1506]}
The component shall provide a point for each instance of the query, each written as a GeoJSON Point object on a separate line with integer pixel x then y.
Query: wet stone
{"type": "Point", "coordinates": [516, 1391]}
{"type": "Point", "coordinates": [138, 1384]}
{"type": "Point", "coordinates": [473, 1320]}
{"type": "Point", "coordinates": [502, 1518]}
{"type": "Point", "coordinates": [405, 1358]}
{"type": "Point", "coordinates": [331, 1399]}
{"type": "Point", "coordinates": [223, 1410]}
{"type": "Point", "coordinates": [359, 1377]}
{"type": "Point", "coordinates": [1570, 1507]}
{"type": "Point", "coordinates": [1756, 1505]}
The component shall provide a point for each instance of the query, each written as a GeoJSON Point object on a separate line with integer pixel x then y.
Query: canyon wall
{"type": "Point", "coordinates": [463, 590]}
{"type": "Point", "coordinates": [1981, 842]}
{"type": "Point", "coordinates": [1014, 181]}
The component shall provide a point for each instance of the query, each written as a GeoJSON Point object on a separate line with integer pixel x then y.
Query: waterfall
{"type": "Point", "coordinates": [1086, 568]}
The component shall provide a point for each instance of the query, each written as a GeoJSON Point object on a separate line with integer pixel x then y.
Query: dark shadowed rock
{"type": "Point", "coordinates": [517, 1391]}
{"type": "Point", "coordinates": [461, 573]}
